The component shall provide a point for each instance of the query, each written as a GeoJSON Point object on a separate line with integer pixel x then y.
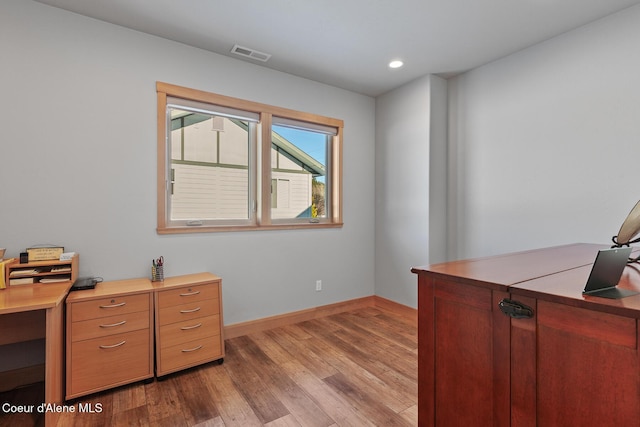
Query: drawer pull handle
{"type": "Point", "coordinates": [114, 324]}
{"type": "Point", "coordinates": [113, 346]}
{"type": "Point", "coordinates": [190, 311]}
{"type": "Point", "coordinates": [515, 309]}
{"type": "Point", "coordinates": [186, 328]}
{"type": "Point", "coordinates": [113, 305]}
{"type": "Point", "coordinates": [188, 294]}
{"type": "Point", "coordinates": [189, 350]}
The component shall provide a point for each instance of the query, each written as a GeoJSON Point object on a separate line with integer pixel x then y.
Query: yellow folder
{"type": "Point", "coordinates": [3, 263]}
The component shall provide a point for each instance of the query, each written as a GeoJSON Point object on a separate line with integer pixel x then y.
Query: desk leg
{"type": "Point", "coordinates": [54, 358]}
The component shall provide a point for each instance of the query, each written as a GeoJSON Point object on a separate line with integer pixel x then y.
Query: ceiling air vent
{"type": "Point", "coordinates": [250, 53]}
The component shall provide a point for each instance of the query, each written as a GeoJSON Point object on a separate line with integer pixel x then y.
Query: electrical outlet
{"type": "Point", "coordinates": [318, 285]}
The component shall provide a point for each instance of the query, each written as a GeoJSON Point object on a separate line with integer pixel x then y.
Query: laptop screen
{"type": "Point", "coordinates": [607, 269]}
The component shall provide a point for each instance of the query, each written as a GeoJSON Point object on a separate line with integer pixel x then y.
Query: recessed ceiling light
{"type": "Point", "coordinates": [396, 64]}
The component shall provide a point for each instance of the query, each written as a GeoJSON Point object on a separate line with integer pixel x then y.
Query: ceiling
{"type": "Point", "coordinates": [348, 43]}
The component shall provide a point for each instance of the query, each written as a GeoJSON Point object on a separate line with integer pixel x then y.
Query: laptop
{"type": "Point", "coordinates": [606, 273]}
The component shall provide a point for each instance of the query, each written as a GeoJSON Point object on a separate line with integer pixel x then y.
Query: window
{"type": "Point", "coordinates": [230, 164]}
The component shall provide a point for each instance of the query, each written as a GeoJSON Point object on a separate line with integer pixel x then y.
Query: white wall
{"type": "Point", "coordinates": [438, 171]}
{"type": "Point", "coordinates": [545, 142]}
{"type": "Point", "coordinates": [78, 163]}
{"type": "Point", "coordinates": [408, 127]}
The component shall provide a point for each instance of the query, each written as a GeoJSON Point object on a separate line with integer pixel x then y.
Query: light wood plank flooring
{"type": "Point", "coordinates": [357, 368]}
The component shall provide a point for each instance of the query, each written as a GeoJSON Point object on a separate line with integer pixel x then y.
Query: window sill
{"type": "Point", "coordinates": [225, 228]}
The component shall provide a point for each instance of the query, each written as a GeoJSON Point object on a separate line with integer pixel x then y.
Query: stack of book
{"type": "Point", "coordinates": [16, 276]}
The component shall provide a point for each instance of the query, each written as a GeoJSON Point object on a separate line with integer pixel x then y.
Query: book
{"type": "Point", "coordinates": [21, 281]}
{"type": "Point", "coordinates": [54, 279]}
{"type": "Point", "coordinates": [24, 272]}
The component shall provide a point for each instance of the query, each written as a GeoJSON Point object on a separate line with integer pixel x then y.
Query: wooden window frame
{"type": "Point", "coordinates": [262, 175]}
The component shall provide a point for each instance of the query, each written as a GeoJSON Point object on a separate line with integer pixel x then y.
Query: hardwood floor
{"type": "Point", "coordinates": [357, 368]}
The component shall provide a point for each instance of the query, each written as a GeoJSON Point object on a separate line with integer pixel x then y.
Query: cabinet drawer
{"type": "Point", "coordinates": [108, 361]}
{"type": "Point", "coordinates": [104, 326]}
{"type": "Point", "coordinates": [188, 311]}
{"type": "Point", "coordinates": [189, 354]}
{"type": "Point", "coordinates": [189, 330]}
{"type": "Point", "coordinates": [187, 294]}
{"type": "Point", "coordinates": [109, 306]}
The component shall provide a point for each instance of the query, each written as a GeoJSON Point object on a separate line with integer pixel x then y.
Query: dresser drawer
{"type": "Point", "coordinates": [109, 361]}
{"type": "Point", "coordinates": [189, 330]}
{"type": "Point", "coordinates": [190, 353]}
{"type": "Point", "coordinates": [187, 294]}
{"type": "Point", "coordinates": [110, 306]}
{"type": "Point", "coordinates": [104, 326]}
{"type": "Point", "coordinates": [188, 311]}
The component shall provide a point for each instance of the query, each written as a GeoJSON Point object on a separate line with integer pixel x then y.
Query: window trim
{"type": "Point", "coordinates": [261, 176]}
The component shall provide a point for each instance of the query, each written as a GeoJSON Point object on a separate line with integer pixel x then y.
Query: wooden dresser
{"type": "Point", "coordinates": [560, 358]}
{"type": "Point", "coordinates": [128, 330]}
{"type": "Point", "coordinates": [109, 336]}
{"type": "Point", "coordinates": [188, 322]}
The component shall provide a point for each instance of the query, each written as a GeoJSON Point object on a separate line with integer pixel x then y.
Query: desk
{"type": "Point", "coordinates": [574, 361]}
{"type": "Point", "coordinates": [30, 312]}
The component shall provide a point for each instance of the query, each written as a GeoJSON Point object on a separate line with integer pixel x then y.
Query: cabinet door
{"type": "Point", "coordinates": [575, 367]}
{"type": "Point", "coordinates": [463, 355]}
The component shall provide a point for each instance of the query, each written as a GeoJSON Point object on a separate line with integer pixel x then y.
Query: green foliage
{"type": "Point", "coordinates": [318, 194]}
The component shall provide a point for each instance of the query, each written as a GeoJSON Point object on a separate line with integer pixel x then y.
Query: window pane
{"type": "Point", "coordinates": [299, 169]}
{"type": "Point", "coordinates": [218, 169]}
{"type": "Point", "coordinates": [209, 167]}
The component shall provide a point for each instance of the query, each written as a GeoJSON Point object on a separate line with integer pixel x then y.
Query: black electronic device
{"type": "Point", "coordinates": [85, 283]}
{"type": "Point", "coordinates": [606, 272]}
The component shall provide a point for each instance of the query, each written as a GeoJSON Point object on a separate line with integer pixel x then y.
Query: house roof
{"type": "Point", "coordinates": [285, 146]}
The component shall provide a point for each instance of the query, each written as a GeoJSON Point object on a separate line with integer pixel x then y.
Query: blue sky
{"type": "Point", "coordinates": [312, 143]}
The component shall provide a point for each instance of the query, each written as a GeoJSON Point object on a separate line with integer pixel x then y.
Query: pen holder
{"type": "Point", "coordinates": [157, 273]}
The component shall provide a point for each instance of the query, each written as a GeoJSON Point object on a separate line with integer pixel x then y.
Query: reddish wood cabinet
{"type": "Point", "coordinates": [574, 361]}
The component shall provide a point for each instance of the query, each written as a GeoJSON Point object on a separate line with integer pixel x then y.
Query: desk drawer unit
{"type": "Point", "coordinates": [188, 325]}
{"type": "Point", "coordinates": [109, 340]}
